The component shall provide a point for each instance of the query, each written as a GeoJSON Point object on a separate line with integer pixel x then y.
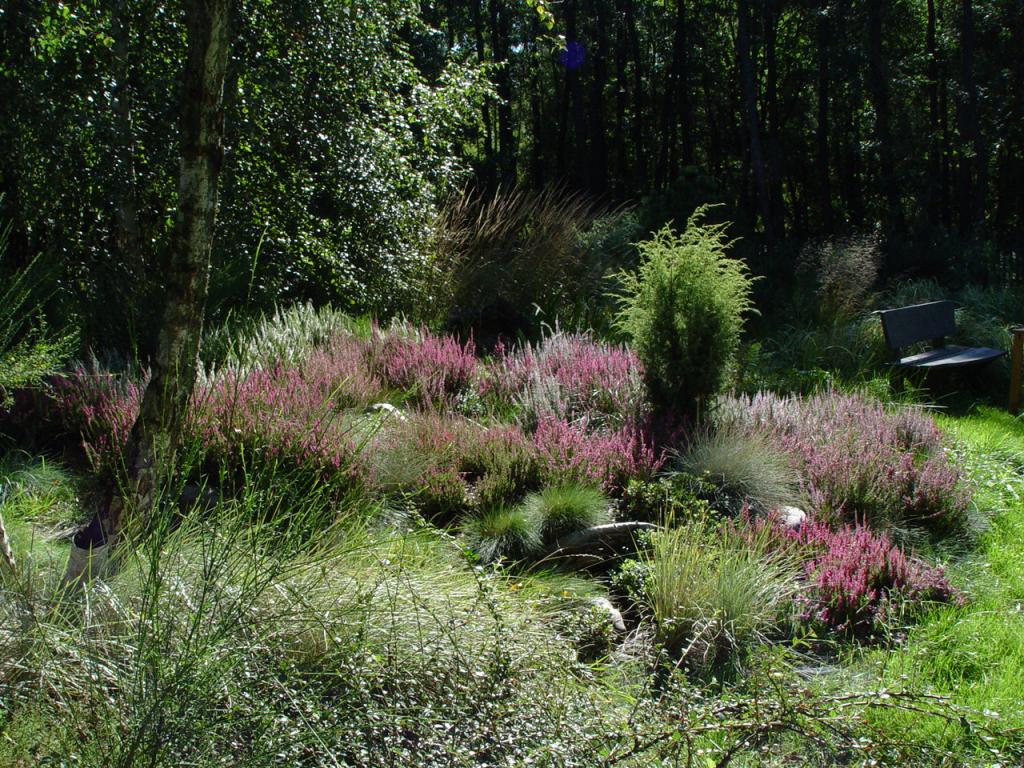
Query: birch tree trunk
{"type": "Point", "coordinates": [155, 434]}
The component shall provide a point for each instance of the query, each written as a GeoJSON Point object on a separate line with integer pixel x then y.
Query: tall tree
{"type": "Point", "coordinates": [878, 87]}
{"type": "Point", "coordinates": [973, 164]}
{"type": "Point", "coordinates": [748, 84]}
{"type": "Point", "coordinates": [824, 44]}
{"type": "Point", "coordinates": [155, 434]}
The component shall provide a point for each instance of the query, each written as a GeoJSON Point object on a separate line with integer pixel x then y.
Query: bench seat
{"type": "Point", "coordinates": [950, 357]}
{"type": "Point", "coordinates": [929, 323]}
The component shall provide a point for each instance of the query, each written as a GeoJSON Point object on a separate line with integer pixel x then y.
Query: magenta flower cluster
{"type": "Point", "coordinates": [862, 461]}
{"type": "Point", "coordinates": [860, 582]}
{"type": "Point", "coordinates": [289, 412]}
{"type": "Point", "coordinates": [569, 453]}
{"type": "Point", "coordinates": [856, 581]}
{"type": "Point", "coordinates": [99, 408]}
{"type": "Point", "coordinates": [293, 412]}
{"type": "Point", "coordinates": [592, 377]}
{"type": "Point", "coordinates": [434, 368]}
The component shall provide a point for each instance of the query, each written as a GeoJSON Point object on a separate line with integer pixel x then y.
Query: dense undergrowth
{"type": "Point", "coordinates": [373, 584]}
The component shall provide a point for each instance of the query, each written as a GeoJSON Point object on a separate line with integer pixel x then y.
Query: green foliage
{"type": "Point", "coordinates": [27, 351]}
{"type": "Point", "coordinates": [712, 594]}
{"type": "Point", "coordinates": [683, 311]}
{"type": "Point", "coordinates": [341, 144]}
{"type": "Point", "coordinates": [500, 259]}
{"type": "Point", "coordinates": [742, 468]}
{"type": "Point", "coordinates": [608, 246]}
{"type": "Point", "coordinates": [503, 533]}
{"type": "Point", "coordinates": [670, 497]}
{"type": "Point", "coordinates": [562, 509]}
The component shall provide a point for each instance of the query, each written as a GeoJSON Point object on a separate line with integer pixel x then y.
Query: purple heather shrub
{"type": "Point", "coordinates": [279, 412]}
{"type": "Point", "coordinates": [591, 379]}
{"type": "Point", "coordinates": [568, 453]}
{"type": "Point", "coordinates": [862, 582]}
{"type": "Point", "coordinates": [858, 582]}
{"type": "Point", "coordinates": [434, 368]}
{"type": "Point", "coordinates": [862, 461]}
{"type": "Point", "coordinates": [276, 413]}
{"type": "Point", "coordinates": [100, 408]}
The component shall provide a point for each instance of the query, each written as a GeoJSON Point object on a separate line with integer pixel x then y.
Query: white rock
{"type": "Point", "coordinates": [614, 615]}
{"type": "Point", "coordinates": [387, 410]}
{"type": "Point", "coordinates": [792, 517]}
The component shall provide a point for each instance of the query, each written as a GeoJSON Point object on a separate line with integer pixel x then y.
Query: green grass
{"type": "Point", "coordinates": [564, 509]}
{"type": "Point", "coordinates": [503, 533]}
{"type": "Point", "coordinates": [40, 506]}
{"type": "Point", "coordinates": [713, 595]}
{"type": "Point", "coordinates": [975, 654]}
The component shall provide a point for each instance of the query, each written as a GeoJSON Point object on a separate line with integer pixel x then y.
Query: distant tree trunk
{"type": "Point", "coordinates": [676, 106]}
{"type": "Point", "coordinates": [945, 198]}
{"type": "Point", "coordinates": [1009, 211]}
{"type": "Point", "coordinates": [569, 76]}
{"type": "Point", "coordinates": [598, 143]}
{"type": "Point", "coordinates": [574, 61]}
{"type": "Point", "coordinates": [154, 436]}
{"type": "Point", "coordinates": [487, 174]}
{"type": "Point", "coordinates": [16, 51]}
{"type": "Point", "coordinates": [640, 115]}
{"type": "Point", "coordinates": [621, 98]}
{"type": "Point", "coordinates": [503, 81]}
{"type": "Point", "coordinates": [973, 163]}
{"type": "Point", "coordinates": [748, 84]}
{"type": "Point", "coordinates": [878, 86]}
{"type": "Point", "coordinates": [537, 153]}
{"type": "Point", "coordinates": [933, 191]}
{"type": "Point", "coordinates": [774, 122]}
{"type": "Point", "coordinates": [822, 128]}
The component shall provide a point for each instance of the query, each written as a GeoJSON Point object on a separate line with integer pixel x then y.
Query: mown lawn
{"type": "Point", "coordinates": [975, 654]}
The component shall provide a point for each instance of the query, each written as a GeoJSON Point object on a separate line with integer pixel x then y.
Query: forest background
{"type": "Point", "coordinates": [351, 125]}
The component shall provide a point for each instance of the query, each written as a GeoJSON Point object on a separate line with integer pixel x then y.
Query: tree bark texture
{"type": "Point", "coordinates": [155, 434]}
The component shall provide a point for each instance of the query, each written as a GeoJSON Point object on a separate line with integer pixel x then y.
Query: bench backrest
{"type": "Point", "coordinates": [921, 322]}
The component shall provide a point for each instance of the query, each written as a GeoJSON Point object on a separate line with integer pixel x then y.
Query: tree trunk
{"type": "Point", "coordinates": [1009, 210]}
{"type": "Point", "coordinates": [622, 189]}
{"type": "Point", "coordinates": [598, 142]}
{"type": "Point", "coordinates": [639, 100]}
{"type": "Point", "coordinates": [537, 145]}
{"type": "Point", "coordinates": [154, 436]}
{"type": "Point", "coordinates": [487, 173]}
{"type": "Point", "coordinates": [774, 122]}
{"type": "Point", "coordinates": [933, 193]}
{"type": "Point", "coordinates": [973, 160]}
{"type": "Point", "coordinates": [748, 84]}
{"type": "Point", "coordinates": [822, 128]}
{"type": "Point", "coordinates": [574, 60]}
{"type": "Point", "coordinates": [878, 85]}
{"type": "Point", "coordinates": [503, 77]}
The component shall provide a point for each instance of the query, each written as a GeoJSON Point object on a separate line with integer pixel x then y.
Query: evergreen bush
{"type": "Point", "coordinates": [683, 311]}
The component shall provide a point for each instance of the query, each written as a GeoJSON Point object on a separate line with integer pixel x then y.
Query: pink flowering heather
{"type": "Point", "coordinates": [862, 461]}
{"type": "Point", "coordinates": [568, 453]}
{"type": "Point", "coordinates": [591, 377]}
{"type": "Point", "coordinates": [283, 411]}
{"type": "Point", "coordinates": [434, 368]}
{"type": "Point", "coordinates": [274, 414]}
{"type": "Point", "coordinates": [857, 582]}
{"type": "Point", "coordinates": [100, 408]}
{"type": "Point", "coordinates": [861, 582]}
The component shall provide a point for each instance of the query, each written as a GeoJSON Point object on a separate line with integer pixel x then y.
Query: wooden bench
{"type": "Point", "coordinates": [930, 323]}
